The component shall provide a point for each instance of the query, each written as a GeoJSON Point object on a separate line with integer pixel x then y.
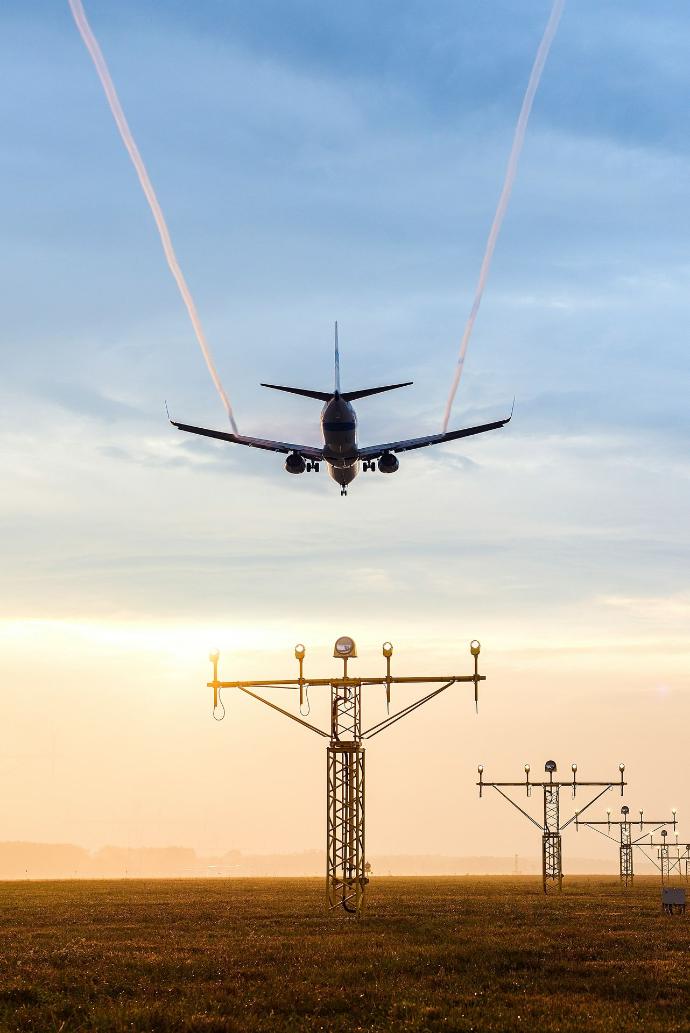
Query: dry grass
{"type": "Point", "coordinates": [259, 955]}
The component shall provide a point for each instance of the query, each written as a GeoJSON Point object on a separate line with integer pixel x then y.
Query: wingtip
{"type": "Point", "coordinates": [167, 411]}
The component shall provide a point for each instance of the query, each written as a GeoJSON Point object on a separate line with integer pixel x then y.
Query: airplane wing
{"type": "Point", "coordinates": [375, 451]}
{"type": "Point", "coordinates": [306, 451]}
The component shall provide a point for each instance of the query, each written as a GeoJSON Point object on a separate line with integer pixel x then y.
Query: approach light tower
{"type": "Point", "coordinates": [627, 841]}
{"type": "Point", "coordinates": [667, 862]}
{"type": "Point", "coordinates": [346, 869]}
{"type": "Point", "coordinates": [551, 853]}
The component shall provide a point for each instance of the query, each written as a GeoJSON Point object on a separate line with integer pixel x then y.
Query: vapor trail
{"type": "Point", "coordinates": [518, 140]}
{"type": "Point", "coordinates": [125, 132]}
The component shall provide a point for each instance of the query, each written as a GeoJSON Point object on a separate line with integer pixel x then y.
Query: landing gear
{"type": "Point", "coordinates": [312, 466]}
{"type": "Point", "coordinates": [366, 465]}
{"type": "Point", "coordinates": [343, 491]}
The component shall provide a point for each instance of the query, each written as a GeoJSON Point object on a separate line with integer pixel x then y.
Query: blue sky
{"type": "Point", "coordinates": [317, 163]}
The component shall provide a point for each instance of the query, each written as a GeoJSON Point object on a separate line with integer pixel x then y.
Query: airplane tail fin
{"type": "Point", "coordinates": [337, 361]}
{"type": "Point", "coordinates": [351, 396]}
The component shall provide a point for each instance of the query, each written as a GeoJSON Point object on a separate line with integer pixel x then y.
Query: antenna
{"type": "Point", "coordinates": [346, 868]}
{"type": "Point", "coordinates": [627, 839]}
{"type": "Point", "coordinates": [551, 827]}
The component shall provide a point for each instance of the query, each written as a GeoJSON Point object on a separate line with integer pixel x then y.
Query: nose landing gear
{"type": "Point", "coordinates": [343, 491]}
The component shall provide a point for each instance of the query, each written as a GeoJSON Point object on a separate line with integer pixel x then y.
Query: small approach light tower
{"type": "Point", "coordinates": [346, 868]}
{"type": "Point", "coordinates": [671, 858]}
{"type": "Point", "coordinates": [551, 828]}
{"type": "Point", "coordinates": [627, 837]}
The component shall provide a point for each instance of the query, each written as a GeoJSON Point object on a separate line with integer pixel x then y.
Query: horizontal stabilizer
{"type": "Point", "coordinates": [352, 396]}
{"type": "Point", "coordinates": [322, 396]}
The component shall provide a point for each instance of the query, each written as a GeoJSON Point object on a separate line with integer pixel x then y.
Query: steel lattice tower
{"type": "Point", "coordinates": [345, 875]}
{"type": "Point", "coordinates": [664, 860]}
{"type": "Point", "coordinates": [550, 828]}
{"type": "Point", "coordinates": [346, 867]}
{"type": "Point", "coordinates": [551, 854]}
{"type": "Point", "coordinates": [625, 854]}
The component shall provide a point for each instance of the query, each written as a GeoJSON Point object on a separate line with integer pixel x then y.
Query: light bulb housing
{"type": "Point", "coordinates": [345, 647]}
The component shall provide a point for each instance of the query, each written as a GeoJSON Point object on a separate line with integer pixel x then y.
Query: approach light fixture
{"type": "Point", "coordinates": [574, 767]}
{"type": "Point", "coordinates": [214, 657]}
{"type": "Point", "coordinates": [550, 766]}
{"type": "Point", "coordinates": [527, 769]}
{"type": "Point", "coordinates": [345, 647]}
{"type": "Point", "coordinates": [480, 768]}
{"type": "Point", "coordinates": [475, 647]}
{"type": "Point", "coordinates": [300, 651]}
{"type": "Point", "coordinates": [387, 649]}
{"type": "Point", "coordinates": [621, 767]}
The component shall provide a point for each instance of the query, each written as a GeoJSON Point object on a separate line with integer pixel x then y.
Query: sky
{"type": "Point", "coordinates": [315, 164]}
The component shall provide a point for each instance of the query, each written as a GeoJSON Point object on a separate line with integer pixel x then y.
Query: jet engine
{"type": "Point", "coordinates": [388, 463]}
{"type": "Point", "coordinates": [295, 464]}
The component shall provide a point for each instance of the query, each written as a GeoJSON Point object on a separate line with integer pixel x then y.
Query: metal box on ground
{"type": "Point", "coordinates": [672, 898]}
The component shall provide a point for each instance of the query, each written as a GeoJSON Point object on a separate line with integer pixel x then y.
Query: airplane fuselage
{"type": "Point", "coordinates": [339, 429]}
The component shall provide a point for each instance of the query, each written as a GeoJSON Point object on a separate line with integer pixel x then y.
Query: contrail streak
{"type": "Point", "coordinates": [518, 140]}
{"type": "Point", "coordinates": [125, 132]}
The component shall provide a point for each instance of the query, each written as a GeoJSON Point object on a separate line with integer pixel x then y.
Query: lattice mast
{"type": "Point", "coordinates": [627, 836]}
{"type": "Point", "coordinates": [551, 827]}
{"type": "Point", "coordinates": [346, 867]}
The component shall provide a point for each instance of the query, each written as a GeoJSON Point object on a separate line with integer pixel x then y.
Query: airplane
{"type": "Point", "coordinates": [340, 451]}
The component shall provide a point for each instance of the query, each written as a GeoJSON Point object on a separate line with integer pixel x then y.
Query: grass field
{"type": "Point", "coordinates": [431, 954]}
